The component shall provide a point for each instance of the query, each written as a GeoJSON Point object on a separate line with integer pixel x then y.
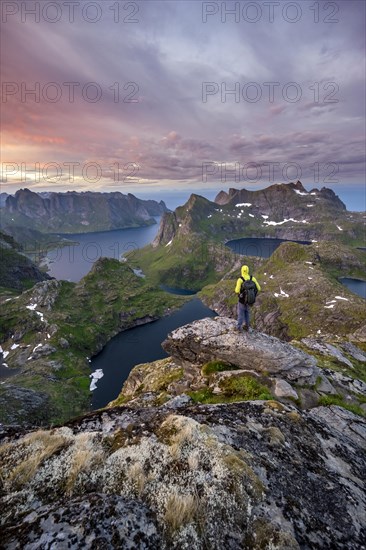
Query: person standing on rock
{"type": "Point", "coordinates": [247, 288]}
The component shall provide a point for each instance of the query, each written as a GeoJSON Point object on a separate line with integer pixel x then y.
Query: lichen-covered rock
{"type": "Point", "coordinates": [327, 349]}
{"type": "Point", "coordinates": [354, 351]}
{"type": "Point", "coordinates": [209, 339]}
{"type": "Point", "coordinates": [91, 521]}
{"type": "Point", "coordinates": [45, 294]}
{"type": "Point", "coordinates": [284, 389]}
{"type": "Point", "coordinates": [245, 475]}
{"type": "Point", "coordinates": [23, 405]}
{"type": "Point", "coordinates": [346, 382]}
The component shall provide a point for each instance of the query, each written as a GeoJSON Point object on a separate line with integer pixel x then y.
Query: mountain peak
{"type": "Point", "coordinates": [75, 212]}
{"type": "Point", "coordinates": [298, 185]}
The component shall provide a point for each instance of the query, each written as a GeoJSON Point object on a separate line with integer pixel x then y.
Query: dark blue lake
{"type": "Point", "coordinates": [138, 345]}
{"type": "Point", "coordinates": [141, 344]}
{"type": "Point", "coordinates": [252, 246]}
{"type": "Point", "coordinates": [72, 262]}
{"type": "Point", "coordinates": [355, 285]}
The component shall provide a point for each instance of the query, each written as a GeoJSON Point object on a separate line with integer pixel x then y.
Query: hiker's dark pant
{"type": "Point", "coordinates": [243, 314]}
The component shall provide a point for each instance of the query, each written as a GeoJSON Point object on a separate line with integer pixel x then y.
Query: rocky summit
{"type": "Point", "coordinates": [247, 475]}
{"type": "Point", "coordinates": [216, 338]}
{"type": "Point", "coordinates": [285, 211]}
{"type": "Point", "coordinates": [224, 444]}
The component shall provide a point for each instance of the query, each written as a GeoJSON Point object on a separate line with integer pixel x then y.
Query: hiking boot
{"type": "Point", "coordinates": [238, 329]}
{"type": "Point", "coordinates": [246, 328]}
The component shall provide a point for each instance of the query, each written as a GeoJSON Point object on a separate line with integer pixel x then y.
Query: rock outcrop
{"type": "Point", "coordinates": [211, 363]}
{"type": "Point", "coordinates": [208, 339]}
{"type": "Point", "coordinates": [246, 475]}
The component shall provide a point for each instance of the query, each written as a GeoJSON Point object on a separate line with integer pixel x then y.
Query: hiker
{"type": "Point", "coordinates": [247, 288]}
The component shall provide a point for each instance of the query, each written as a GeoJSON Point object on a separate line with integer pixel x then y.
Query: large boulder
{"type": "Point", "coordinates": [216, 339]}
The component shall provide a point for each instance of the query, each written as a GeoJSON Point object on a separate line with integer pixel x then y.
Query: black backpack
{"type": "Point", "coordinates": [248, 292]}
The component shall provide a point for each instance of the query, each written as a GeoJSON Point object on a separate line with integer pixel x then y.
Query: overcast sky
{"type": "Point", "coordinates": [165, 117]}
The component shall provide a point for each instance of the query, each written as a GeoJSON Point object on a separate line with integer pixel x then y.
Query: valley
{"type": "Point", "coordinates": [211, 429]}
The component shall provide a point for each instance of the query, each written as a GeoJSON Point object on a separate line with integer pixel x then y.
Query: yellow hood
{"type": "Point", "coordinates": [244, 271]}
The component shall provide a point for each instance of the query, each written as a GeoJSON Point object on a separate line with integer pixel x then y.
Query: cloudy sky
{"type": "Point", "coordinates": [149, 95]}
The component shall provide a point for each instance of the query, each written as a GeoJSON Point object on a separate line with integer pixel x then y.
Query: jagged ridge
{"type": "Point", "coordinates": [74, 212]}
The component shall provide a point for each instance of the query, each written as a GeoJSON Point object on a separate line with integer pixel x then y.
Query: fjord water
{"type": "Point", "coordinates": [263, 248]}
{"type": "Point", "coordinates": [138, 345]}
{"type": "Point", "coordinates": [355, 285]}
{"type": "Point", "coordinates": [74, 261]}
{"type": "Point", "coordinates": [141, 344]}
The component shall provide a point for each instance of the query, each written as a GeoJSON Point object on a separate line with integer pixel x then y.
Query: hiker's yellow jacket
{"type": "Point", "coordinates": [246, 277]}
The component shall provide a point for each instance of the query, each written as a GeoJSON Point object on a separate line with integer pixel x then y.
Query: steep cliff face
{"type": "Point", "coordinates": [167, 230]}
{"type": "Point", "coordinates": [284, 200]}
{"type": "Point", "coordinates": [210, 362]}
{"type": "Point", "coordinates": [16, 270]}
{"type": "Point", "coordinates": [285, 211]}
{"type": "Point", "coordinates": [241, 471]}
{"type": "Point", "coordinates": [3, 197]}
{"type": "Point", "coordinates": [73, 212]}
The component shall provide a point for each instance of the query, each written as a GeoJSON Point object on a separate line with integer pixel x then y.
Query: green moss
{"type": "Point", "coordinates": [162, 398]}
{"type": "Point", "coordinates": [245, 386]}
{"type": "Point", "coordinates": [327, 400]}
{"type": "Point", "coordinates": [120, 400]}
{"type": "Point", "coordinates": [204, 395]}
{"type": "Point", "coordinates": [217, 366]}
{"type": "Point", "coordinates": [165, 378]}
{"type": "Point", "coordinates": [235, 388]}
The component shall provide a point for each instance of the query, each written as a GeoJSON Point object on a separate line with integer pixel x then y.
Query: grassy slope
{"type": "Point", "coordinates": [224, 222]}
{"type": "Point", "coordinates": [87, 314]}
{"type": "Point", "coordinates": [309, 286]}
{"type": "Point", "coordinates": [197, 231]}
{"type": "Point", "coordinates": [188, 262]}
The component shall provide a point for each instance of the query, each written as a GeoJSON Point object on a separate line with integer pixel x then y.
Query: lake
{"type": "Point", "coordinates": [141, 344]}
{"type": "Point", "coordinates": [72, 262]}
{"type": "Point", "coordinates": [355, 285]}
{"type": "Point", "coordinates": [264, 248]}
{"type": "Point", "coordinates": [252, 246]}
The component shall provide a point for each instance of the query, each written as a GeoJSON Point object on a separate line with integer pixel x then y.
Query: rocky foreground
{"type": "Point", "coordinates": [259, 463]}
